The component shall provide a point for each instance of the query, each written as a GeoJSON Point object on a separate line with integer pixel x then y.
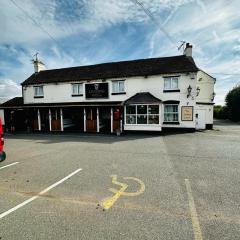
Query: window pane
{"type": "Point", "coordinates": [142, 109]}
{"type": "Point", "coordinates": [131, 119]}
{"type": "Point", "coordinates": [168, 117]}
{"type": "Point", "coordinates": [141, 119]}
{"type": "Point", "coordinates": [175, 83]}
{"type": "Point", "coordinates": [174, 108]}
{"type": "Point", "coordinates": [167, 83]}
{"type": "Point", "coordinates": [131, 109]}
{"type": "Point", "coordinates": [153, 119]}
{"type": "Point", "coordinates": [115, 87]}
{"type": "Point", "coordinates": [168, 108]}
{"type": "Point", "coordinates": [153, 109]}
{"type": "Point", "coordinates": [121, 86]}
{"type": "Point", "coordinates": [175, 117]}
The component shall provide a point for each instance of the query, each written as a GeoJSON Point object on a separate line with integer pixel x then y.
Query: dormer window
{"type": "Point", "coordinates": [38, 92]}
{"type": "Point", "coordinates": [77, 89]}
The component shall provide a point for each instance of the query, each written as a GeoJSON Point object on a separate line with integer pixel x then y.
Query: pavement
{"type": "Point", "coordinates": [182, 186]}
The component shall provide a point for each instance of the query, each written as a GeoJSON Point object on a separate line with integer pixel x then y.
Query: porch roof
{"type": "Point", "coordinates": [18, 103]}
{"type": "Point", "coordinates": [143, 97]}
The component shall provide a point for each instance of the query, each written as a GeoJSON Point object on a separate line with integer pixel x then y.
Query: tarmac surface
{"type": "Point", "coordinates": [171, 186]}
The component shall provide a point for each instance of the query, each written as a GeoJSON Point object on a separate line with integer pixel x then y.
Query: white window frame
{"type": "Point", "coordinates": [147, 114]}
{"type": "Point", "coordinates": [118, 87]}
{"type": "Point", "coordinates": [171, 104]}
{"type": "Point", "coordinates": [79, 93]}
{"type": "Point", "coordinates": [37, 92]}
{"type": "Point", "coordinates": [170, 78]}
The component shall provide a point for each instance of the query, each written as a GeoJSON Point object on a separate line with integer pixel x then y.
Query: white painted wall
{"type": "Point", "coordinates": [206, 85]}
{"type": "Point", "coordinates": [62, 92]}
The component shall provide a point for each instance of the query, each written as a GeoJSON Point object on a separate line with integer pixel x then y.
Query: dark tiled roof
{"type": "Point", "coordinates": [17, 102]}
{"type": "Point", "coordinates": [143, 97]}
{"type": "Point", "coordinates": [142, 67]}
{"type": "Point", "coordinates": [14, 102]}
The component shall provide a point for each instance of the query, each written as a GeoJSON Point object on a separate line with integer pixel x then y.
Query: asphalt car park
{"type": "Point", "coordinates": [182, 186]}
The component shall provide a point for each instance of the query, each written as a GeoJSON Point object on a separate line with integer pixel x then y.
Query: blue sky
{"type": "Point", "coordinates": [79, 32]}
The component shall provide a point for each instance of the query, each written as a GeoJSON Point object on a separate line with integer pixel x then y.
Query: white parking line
{"type": "Point", "coordinates": [195, 222]}
{"type": "Point", "coordinates": [2, 215]}
{"type": "Point", "coordinates": [9, 165]}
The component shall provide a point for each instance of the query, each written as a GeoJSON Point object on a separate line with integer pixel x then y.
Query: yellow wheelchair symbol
{"type": "Point", "coordinates": [107, 203]}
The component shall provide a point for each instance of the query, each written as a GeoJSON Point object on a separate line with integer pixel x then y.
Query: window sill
{"type": "Point", "coordinates": [172, 90]}
{"type": "Point", "coordinates": [77, 95]}
{"type": "Point", "coordinates": [172, 123]}
{"type": "Point", "coordinates": [119, 93]}
{"type": "Point", "coordinates": [38, 96]}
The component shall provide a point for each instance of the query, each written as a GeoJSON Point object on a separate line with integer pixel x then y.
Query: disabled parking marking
{"type": "Point", "coordinates": [4, 214]}
{"type": "Point", "coordinates": [108, 203]}
{"type": "Point", "coordinates": [9, 165]}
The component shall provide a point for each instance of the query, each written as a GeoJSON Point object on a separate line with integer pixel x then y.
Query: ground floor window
{"type": "Point", "coordinates": [171, 113]}
{"type": "Point", "coordinates": [142, 114]}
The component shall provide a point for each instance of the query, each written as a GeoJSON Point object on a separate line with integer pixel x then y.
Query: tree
{"type": "Point", "coordinates": [233, 104]}
{"type": "Point", "coordinates": [220, 112]}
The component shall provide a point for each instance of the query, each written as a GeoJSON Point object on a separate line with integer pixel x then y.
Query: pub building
{"type": "Point", "coordinates": [139, 95]}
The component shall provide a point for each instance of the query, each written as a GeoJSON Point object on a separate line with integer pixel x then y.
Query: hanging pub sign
{"type": "Point", "coordinates": [96, 90]}
{"type": "Point", "coordinates": [187, 113]}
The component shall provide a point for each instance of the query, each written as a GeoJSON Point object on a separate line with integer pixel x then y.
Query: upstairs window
{"type": "Point", "coordinates": [77, 89]}
{"type": "Point", "coordinates": [171, 113]}
{"type": "Point", "coordinates": [171, 83]}
{"type": "Point", "coordinates": [38, 91]}
{"type": "Point", "coordinates": [118, 87]}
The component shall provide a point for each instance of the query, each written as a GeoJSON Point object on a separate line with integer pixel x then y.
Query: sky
{"type": "Point", "coordinates": [69, 33]}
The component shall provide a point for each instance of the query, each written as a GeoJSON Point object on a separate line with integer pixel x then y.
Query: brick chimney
{"type": "Point", "coordinates": [188, 50]}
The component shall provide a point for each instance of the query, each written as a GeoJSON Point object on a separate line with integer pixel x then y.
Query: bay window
{"type": "Point", "coordinates": [142, 114]}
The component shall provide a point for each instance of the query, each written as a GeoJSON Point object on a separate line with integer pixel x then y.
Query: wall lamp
{"type": "Point", "coordinates": [213, 96]}
{"type": "Point", "coordinates": [198, 91]}
{"type": "Point", "coordinates": [189, 90]}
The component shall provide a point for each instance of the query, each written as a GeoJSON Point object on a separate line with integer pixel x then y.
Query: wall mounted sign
{"type": "Point", "coordinates": [187, 113]}
{"type": "Point", "coordinates": [96, 90]}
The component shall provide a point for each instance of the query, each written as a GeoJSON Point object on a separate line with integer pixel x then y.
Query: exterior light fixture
{"type": "Point", "coordinates": [189, 90]}
{"type": "Point", "coordinates": [198, 91]}
{"type": "Point", "coordinates": [213, 96]}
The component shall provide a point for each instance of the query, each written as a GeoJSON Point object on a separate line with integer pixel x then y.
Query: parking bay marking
{"type": "Point", "coordinates": [2, 215]}
{"type": "Point", "coordinates": [111, 200]}
{"type": "Point", "coordinates": [9, 165]}
{"type": "Point", "coordinates": [193, 211]}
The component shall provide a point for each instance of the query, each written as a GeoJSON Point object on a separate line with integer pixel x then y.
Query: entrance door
{"type": "Point", "coordinates": [105, 119]}
{"type": "Point", "coordinates": [91, 119]}
{"type": "Point", "coordinates": [200, 119]}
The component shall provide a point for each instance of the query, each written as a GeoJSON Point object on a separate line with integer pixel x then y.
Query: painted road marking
{"type": "Point", "coordinates": [195, 222]}
{"type": "Point", "coordinates": [2, 215]}
{"type": "Point", "coordinates": [9, 165]}
{"type": "Point", "coordinates": [117, 193]}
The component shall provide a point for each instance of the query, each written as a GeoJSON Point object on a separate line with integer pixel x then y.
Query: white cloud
{"type": "Point", "coordinates": [9, 88]}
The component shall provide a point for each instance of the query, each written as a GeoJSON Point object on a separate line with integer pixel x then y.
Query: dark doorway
{"type": "Point", "coordinates": [105, 120]}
